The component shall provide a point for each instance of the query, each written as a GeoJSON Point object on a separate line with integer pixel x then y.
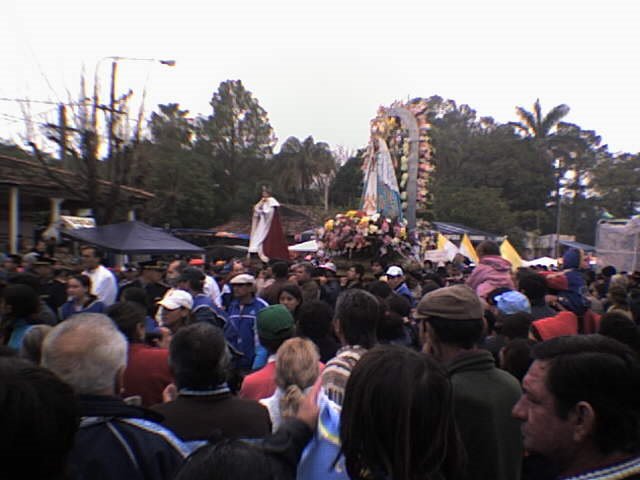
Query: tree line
{"type": "Point", "coordinates": [504, 178]}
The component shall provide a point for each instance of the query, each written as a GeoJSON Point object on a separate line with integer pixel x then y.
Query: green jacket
{"type": "Point", "coordinates": [484, 397]}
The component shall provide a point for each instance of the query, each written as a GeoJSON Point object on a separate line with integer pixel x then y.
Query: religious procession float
{"type": "Point", "coordinates": [397, 172]}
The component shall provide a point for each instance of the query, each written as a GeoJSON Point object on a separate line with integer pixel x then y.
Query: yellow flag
{"type": "Point", "coordinates": [466, 249]}
{"type": "Point", "coordinates": [508, 252]}
{"type": "Point", "coordinates": [447, 246]}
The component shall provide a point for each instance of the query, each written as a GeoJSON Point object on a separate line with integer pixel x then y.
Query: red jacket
{"type": "Point", "coordinates": [147, 373]}
{"type": "Point", "coordinates": [260, 384]}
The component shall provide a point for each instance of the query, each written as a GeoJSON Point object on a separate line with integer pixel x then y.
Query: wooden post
{"type": "Point", "coordinates": [14, 222]}
{"type": "Point", "coordinates": [54, 210]}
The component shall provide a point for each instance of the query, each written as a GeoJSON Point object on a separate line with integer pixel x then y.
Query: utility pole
{"type": "Point", "coordinates": [62, 121]}
{"type": "Point", "coordinates": [112, 109]}
{"type": "Point", "coordinates": [558, 224]}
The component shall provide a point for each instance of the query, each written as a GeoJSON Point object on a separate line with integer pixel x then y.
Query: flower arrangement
{"type": "Point", "coordinates": [354, 232]}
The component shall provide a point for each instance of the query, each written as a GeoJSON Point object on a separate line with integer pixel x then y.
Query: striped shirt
{"type": "Point", "coordinates": [337, 371]}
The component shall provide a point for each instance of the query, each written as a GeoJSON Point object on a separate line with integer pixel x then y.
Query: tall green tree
{"type": "Point", "coordinates": [541, 130]}
{"type": "Point", "coordinates": [346, 188]}
{"type": "Point", "coordinates": [238, 139]}
{"type": "Point", "coordinates": [299, 166]}
{"type": "Point", "coordinates": [478, 207]}
{"type": "Point", "coordinates": [472, 153]}
{"type": "Point", "coordinates": [183, 181]}
{"type": "Point", "coordinates": [616, 185]}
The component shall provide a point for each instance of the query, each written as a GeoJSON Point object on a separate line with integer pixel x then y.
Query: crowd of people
{"type": "Point", "coordinates": [187, 369]}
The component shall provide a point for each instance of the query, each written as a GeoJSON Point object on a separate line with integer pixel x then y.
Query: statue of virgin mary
{"type": "Point", "coordinates": [381, 193]}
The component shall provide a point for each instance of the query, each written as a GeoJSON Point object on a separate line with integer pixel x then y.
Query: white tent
{"type": "Point", "coordinates": [310, 246]}
{"type": "Point", "coordinates": [544, 261]}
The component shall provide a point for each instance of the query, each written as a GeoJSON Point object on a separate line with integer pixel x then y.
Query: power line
{"type": "Point", "coordinates": [45, 102]}
{"type": "Point", "coordinates": [40, 69]}
{"type": "Point", "coordinates": [16, 119]}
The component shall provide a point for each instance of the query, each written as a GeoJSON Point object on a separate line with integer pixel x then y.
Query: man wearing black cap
{"type": "Point", "coordinates": [451, 327]}
{"type": "Point", "coordinates": [56, 289]}
{"type": "Point", "coordinates": [151, 281]}
{"type": "Point", "coordinates": [53, 293]}
{"type": "Point", "coordinates": [129, 274]}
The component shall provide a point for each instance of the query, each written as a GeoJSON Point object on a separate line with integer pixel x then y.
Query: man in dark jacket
{"type": "Point", "coordinates": [534, 286]}
{"type": "Point", "coordinates": [280, 272]}
{"type": "Point", "coordinates": [581, 407]}
{"type": "Point", "coordinates": [199, 360]}
{"type": "Point", "coordinates": [484, 396]}
{"type": "Point", "coordinates": [115, 440]}
{"type": "Point", "coordinates": [204, 309]}
{"type": "Point", "coordinates": [151, 281]}
{"type": "Point", "coordinates": [273, 458]}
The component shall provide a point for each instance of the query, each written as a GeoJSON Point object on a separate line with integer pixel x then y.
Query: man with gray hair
{"type": "Point", "coordinates": [115, 440]}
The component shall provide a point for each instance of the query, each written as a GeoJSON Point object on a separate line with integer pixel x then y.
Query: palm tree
{"type": "Point", "coordinates": [299, 165]}
{"type": "Point", "coordinates": [533, 124]}
{"type": "Point", "coordinates": [541, 130]}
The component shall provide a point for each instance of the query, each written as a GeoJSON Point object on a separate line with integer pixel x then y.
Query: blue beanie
{"type": "Point", "coordinates": [512, 302]}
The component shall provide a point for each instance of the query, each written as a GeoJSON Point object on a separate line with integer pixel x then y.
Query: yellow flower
{"type": "Point", "coordinates": [328, 225]}
{"type": "Point", "coordinates": [364, 221]}
{"type": "Point", "coordinates": [352, 213]}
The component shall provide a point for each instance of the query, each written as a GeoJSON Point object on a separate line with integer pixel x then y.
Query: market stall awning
{"type": "Point", "coordinates": [133, 238]}
{"type": "Point", "coordinates": [542, 261]}
{"type": "Point", "coordinates": [582, 246]}
{"type": "Point", "coordinates": [457, 230]}
{"type": "Point", "coordinates": [310, 246]}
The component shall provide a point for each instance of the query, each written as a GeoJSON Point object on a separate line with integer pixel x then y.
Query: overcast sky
{"type": "Point", "coordinates": [322, 67]}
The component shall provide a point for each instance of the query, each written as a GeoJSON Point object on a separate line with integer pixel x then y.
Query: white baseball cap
{"type": "Point", "coordinates": [329, 266]}
{"type": "Point", "coordinates": [394, 271]}
{"type": "Point", "coordinates": [177, 299]}
{"type": "Point", "coordinates": [243, 279]}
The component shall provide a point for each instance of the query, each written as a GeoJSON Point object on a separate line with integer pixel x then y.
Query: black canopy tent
{"type": "Point", "coordinates": [133, 238]}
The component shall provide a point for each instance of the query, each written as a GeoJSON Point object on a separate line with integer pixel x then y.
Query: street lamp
{"type": "Point", "coordinates": [558, 207]}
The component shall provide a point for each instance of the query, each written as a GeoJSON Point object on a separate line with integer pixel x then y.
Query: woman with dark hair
{"type": "Point", "coordinates": [81, 300]}
{"type": "Point", "coordinates": [617, 325]}
{"type": "Point", "coordinates": [395, 327]}
{"type": "Point", "coordinates": [39, 415]}
{"type": "Point", "coordinates": [19, 306]}
{"type": "Point", "coordinates": [314, 321]}
{"type": "Point", "coordinates": [397, 420]}
{"type": "Point", "coordinates": [291, 297]}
